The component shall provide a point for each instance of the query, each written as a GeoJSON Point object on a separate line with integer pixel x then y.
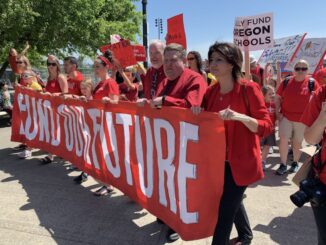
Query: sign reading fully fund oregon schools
{"type": "Point", "coordinates": [254, 32]}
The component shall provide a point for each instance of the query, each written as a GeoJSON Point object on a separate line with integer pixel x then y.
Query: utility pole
{"type": "Point", "coordinates": [159, 25]}
{"type": "Point", "coordinates": [145, 41]}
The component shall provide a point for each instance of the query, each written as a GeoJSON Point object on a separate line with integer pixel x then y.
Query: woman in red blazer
{"type": "Point", "coordinates": [241, 105]}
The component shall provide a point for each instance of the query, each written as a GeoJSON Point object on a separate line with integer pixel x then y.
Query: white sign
{"type": "Point", "coordinates": [282, 51]}
{"type": "Point", "coordinates": [253, 32]}
{"type": "Point", "coordinates": [311, 50]}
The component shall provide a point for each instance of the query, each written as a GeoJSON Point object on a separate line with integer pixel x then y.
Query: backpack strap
{"type": "Point", "coordinates": [285, 82]}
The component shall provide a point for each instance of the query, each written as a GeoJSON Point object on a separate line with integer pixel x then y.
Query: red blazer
{"type": "Point", "coordinates": [243, 146]}
{"type": "Point", "coordinates": [186, 91]}
{"type": "Point", "coordinates": [147, 80]}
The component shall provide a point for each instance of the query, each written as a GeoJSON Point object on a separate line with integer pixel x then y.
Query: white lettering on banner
{"type": "Point", "coordinates": [165, 165]}
{"type": "Point", "coordinates": [186, 171]}
{"type": "Point", "coordinates": [146, 190]}
{"type": "Point", "coordinates": [126, 121]}
{"type": "Point", "coordinates": [79, 143]}
{"type": "Point", "coordinates": [87, 137]}
{"type": "Point", "coordinates": [69, 137]}
{"type": "Point", "coordinates": [254, 32]}
{"type": "Point", "coordinates": [94, 115]}
{"type": "Point", "coordinates": [44, 120]}
{"type": "Point", "coordinates": [29, 121]}
{"type": "Point", "coordinates": [114, 170]}
{"type": "Point", "coordinates": [22, 108]}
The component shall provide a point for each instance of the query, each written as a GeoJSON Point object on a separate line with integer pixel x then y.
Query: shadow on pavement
{"type": "Point", "coordinates": [288, 230]}
{"type": "Point", "coordinates": [71, 213]}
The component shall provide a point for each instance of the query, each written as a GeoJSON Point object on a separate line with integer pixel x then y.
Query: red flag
{"type": "Point", "coordinates": [176, 31]}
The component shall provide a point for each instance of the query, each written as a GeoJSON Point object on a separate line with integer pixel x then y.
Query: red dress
{"type": "Point", "coordinates": [243, 146]}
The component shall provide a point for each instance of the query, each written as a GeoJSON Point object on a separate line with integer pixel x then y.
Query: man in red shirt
{"type": "Point", "coordinates": [292, 97]}
{"type": "Point", "coordinates": [182, 87]}
{"type": "Point", "coordinates": [74, 77]}
{"type": "Point", "coordinates": [155, 74]}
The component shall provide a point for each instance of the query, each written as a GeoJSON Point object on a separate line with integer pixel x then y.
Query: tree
{"type": "Point", "coordinates": [61, 27]}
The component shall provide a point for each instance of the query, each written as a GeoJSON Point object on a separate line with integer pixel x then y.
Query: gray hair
{"type": "Point", "coordinates": [158, 43]}
{"type": "Point", "coordinates": [178, 48]}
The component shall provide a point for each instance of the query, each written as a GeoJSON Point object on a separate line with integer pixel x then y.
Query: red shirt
{"type": "Point", "coordinates": [320, 76]}
{"type": "Point", "coordinates": [131, 94]}
{"type": "Point", "coordinates": [105, 89]}
{"type": "Point", "coordinates": [74, 83]}
{"type": "Point", "coordinates": [243, 146]}
{"type": "Point", "coordinates": [310, 115]}
{"type": "Point", "coordinates": [53, 86]}
{"type": "Point", "coordinates": [147, 80]}
{"type": "Point", "coordinates": [271, 111]}
{"type": "Point", "coordinates": [295, 97]}
{"type": "Point", "coordinates": [186, 91]}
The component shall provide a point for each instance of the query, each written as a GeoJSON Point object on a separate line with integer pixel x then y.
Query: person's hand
{"type": "Point", "coordinates": [106, 99]}
{"type": "Point", "coordinates": [13, 52]}
{"type": "Point", "coordinates": [67, 96]}
{"type": "Point", "coordinates": [140, 69]}
{"type": "Point", "coordinates": [123, 97]}
{"type": "Point", "coordinates": [279, 116]}
{"type": "Point", "coordinates": [141, 102]}
{"type": "Point", "coordinates": [83, 98]}
{"type": "Point", "coordinates": [196, 110]}
{"type": "Point", "coordinates": [157, 102]}
{"type": "Point", "coordinates": [228, 114]}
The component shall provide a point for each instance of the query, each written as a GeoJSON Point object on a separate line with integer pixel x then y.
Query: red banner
{"type": "Point", "coordinates": [176, 31]}
{"type": "Point", "coordinates": [168, 160]}
{"type": "Point", "coordinates": [123, 51]}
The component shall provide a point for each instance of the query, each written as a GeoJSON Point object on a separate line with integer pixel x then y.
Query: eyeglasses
{"type": "Point", "coordinates": [190, 58]}
{"type": "Point", "coordinates": [97, 67]}
{"type": "Point", "coordinates": [51, 64]}
{"type": "Point", "coordinates": [19, 62]}
{"type": "Point", "coordinates": [301, 68]}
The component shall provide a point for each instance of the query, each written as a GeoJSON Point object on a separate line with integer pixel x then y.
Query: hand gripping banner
{"type": "Point", "coordinates": [168, 160]}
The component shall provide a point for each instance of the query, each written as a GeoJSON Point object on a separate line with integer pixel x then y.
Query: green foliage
{"type": "Point", "coordinates": [64, 27]}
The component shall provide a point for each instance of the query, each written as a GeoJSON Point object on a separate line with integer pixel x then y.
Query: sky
{"type": "Point", "coordinates": [207, 21]}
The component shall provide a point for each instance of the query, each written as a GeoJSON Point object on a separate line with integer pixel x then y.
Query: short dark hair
{"type": "Point", "coordinates": [176, 47]}
{"type": "Point", "coordinates": [232, 54]}
{"type": "Point", "coordinates": [72, 60]}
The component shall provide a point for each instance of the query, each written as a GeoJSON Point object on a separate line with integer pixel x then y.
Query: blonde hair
{"type": "Point", "coordinates": [24, 59]}
{"type": "Point", "coordinates": [56, 60]}
{"type": "Point", "coordinates": [88, 83]}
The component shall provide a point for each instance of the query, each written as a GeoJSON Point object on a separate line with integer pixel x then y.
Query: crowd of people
{"type": "Point", "coordinates": [252, 109]}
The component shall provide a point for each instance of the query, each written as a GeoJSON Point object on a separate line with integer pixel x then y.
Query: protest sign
{"type": "Point", "coordinates": [123, 51]}
{"type": "Point", "coordinates": [169, 161]}
{"type": "Point", "coordinates": [176, 31]}
{"type": "Point", "coordinates": [253, 32]}
{"type": "Point", "coordinates": [139, 52]}
{"type": "Point", "coordinates": [283, 50]}
{"type": "Point", "coordinates": [312, 50]}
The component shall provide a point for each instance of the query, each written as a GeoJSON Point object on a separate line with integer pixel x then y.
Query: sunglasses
{"type": "Point", "coordinates": [301, 69]}
{"type": "Point", "coordinates": [19, 62]}
{"type": "Point", "coordinates": [191, 58]}
{"type": "Point", "coordinates": [51, 64]}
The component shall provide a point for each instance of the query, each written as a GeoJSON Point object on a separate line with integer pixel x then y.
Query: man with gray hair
{"type": "Point", "coordinates": [155, 74]}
